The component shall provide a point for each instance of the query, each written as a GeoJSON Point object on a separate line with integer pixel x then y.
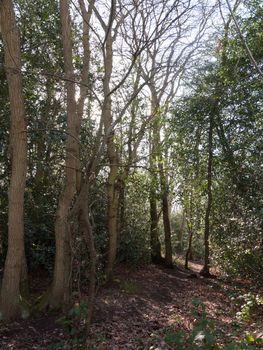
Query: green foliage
{"type": "Point", "coordinates": [204, 335]}
{"type": "Point", "coordinates": [134, 236]}
{"type": "Point", "coordinates": [73, 323]}
{"type": "Point", "coordinates": [251, 303]}
{"type": "Point", "coordinates": [237, 211]}
{"type": "Point", "coordinates": [131, 287]}
{"type": "Point", "coordinates": [40, 31]}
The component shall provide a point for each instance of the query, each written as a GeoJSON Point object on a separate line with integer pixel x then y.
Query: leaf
{"type": "Point", "coordinates": [249, 338]}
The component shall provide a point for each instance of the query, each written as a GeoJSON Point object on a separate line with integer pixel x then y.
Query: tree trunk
{"type": "Point", "coordinates": [166, 212]}
{"type": "Point", "coordinates": [10, 292]}
{"type": "Point", "coordinates": [24, 286]}
{"type": "Point", "coordinates": [60, 293]}
{"type": "Point", "coordinates": [156, 255]}
{"type": "Point", "coordinates": [89, 239]}
{"type": "Point", "coordinates": [121, 209]}
{"type": "Point", "coordinates": [188, 254]}
{"type": "Point", "coordinates": [189, 223]}
{"type": "Point", "coordinates": [112, 217]}
{"type": "Point", "coordinates": [206, 268]}
{"type": "Point", "coordinates": [158, 159]}
{"type": "Point", "coordinates": [167, 231]}
{"type": "Point", "coordinates": [112, 152]}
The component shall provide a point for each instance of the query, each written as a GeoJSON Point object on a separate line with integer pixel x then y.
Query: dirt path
{"type": "Point", "coordinates": [142, 305]}
{"type": "Point", "coordinates": [134, 311]}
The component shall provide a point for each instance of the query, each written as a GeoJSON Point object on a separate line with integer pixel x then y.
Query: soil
{"type": "Point", "coordinates": [136, 309]}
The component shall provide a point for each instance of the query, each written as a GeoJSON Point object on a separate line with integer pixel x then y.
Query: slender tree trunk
{"type": "Point", "coordinates": [41, 172]}
{"type": "Point", "coordinates": [167, 231]}
{"type": "Point", "coordinates": [166, 213]}
{"type": "Point", "coordinates": [112, 215]}
{"type": "Point", "coordinates": [89, 239]}
{"type": "Point", "coordinates": [10, 292]}
{"type": "Point", "coordinates": [156, 255]}
{"type": "Point", "coordinates": [112, 152]}
{"type": "Point", "coordinates": [189, 223]}
{"type": "Point", "coordinates": [157, 154]}
{"type": "Point", "coordinates": [180, 234]}
{"type": "Point", "coordinates": [121, 209]}
{"type": "Point", "coordinates": [206, 268]}
{"type": "Point", "coordinates": [132, 153]}
{"type": "Point", "coordinates": [86, 15]}
{"type": "Point", "coordinates": [60, 293]}
{"type": "Point", "coordinates": [189, 249]}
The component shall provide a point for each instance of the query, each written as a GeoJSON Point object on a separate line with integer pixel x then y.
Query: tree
{"type": "Point", "coordinates": [206, 268]}
{"type": "Point", "coordinates": [143, 37]}
{"type": "Point", "coordinates": [164, 65]}
{"type": "Point", "coordinates": [195, 120]}
{"type": "Point", "coordinates": [61, 280]}
{"type": "Point", "coordinates": [240, 134]}
{"type": "Point", "coordinates": [10, 292]}
{"type": "Point", "coordinates": [228, 91]}
{"type": "Point", "coordinates": [61, 285]}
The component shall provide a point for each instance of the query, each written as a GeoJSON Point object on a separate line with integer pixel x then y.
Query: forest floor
{"type": "Point", "coordinates": [138, 308]}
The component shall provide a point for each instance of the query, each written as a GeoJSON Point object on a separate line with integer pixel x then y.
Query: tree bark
{"type": "Point", "coordinates": [165, 210]}
{"type": "Point", "coordinates": [189, 249]}
{"type": "Point", "coordinates": [206, 268]}
{"type": "Point", "coordinates": [112, 215]}
{"type": "Point", "coordinates": [158, 156]}
{"type": "Point", "coordinates": [10, 292]}
{"type": "Point", "coordinates": [60, 292]}
{"type": "Point", "coordinates": [189, 222]}
{"type": "Point", "coordinates": [112, 152]}
{"type": "Point", "coordinates": [167, 230]}
{"type": "Point", "coordinates": [89, 239]}
{"type": "Point", "coordinates": [156, 256]}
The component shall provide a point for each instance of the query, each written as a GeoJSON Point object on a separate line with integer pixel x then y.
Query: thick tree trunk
{"type": "Point", "coordinates": [10, 292]}
{"type": "Point", "coordinates": [206, 268]}
{"type": "Point", "coordinates": [60, 292]}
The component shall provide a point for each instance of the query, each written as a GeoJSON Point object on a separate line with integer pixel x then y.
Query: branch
{"type": "Point", "coordinates": [249, 52]}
